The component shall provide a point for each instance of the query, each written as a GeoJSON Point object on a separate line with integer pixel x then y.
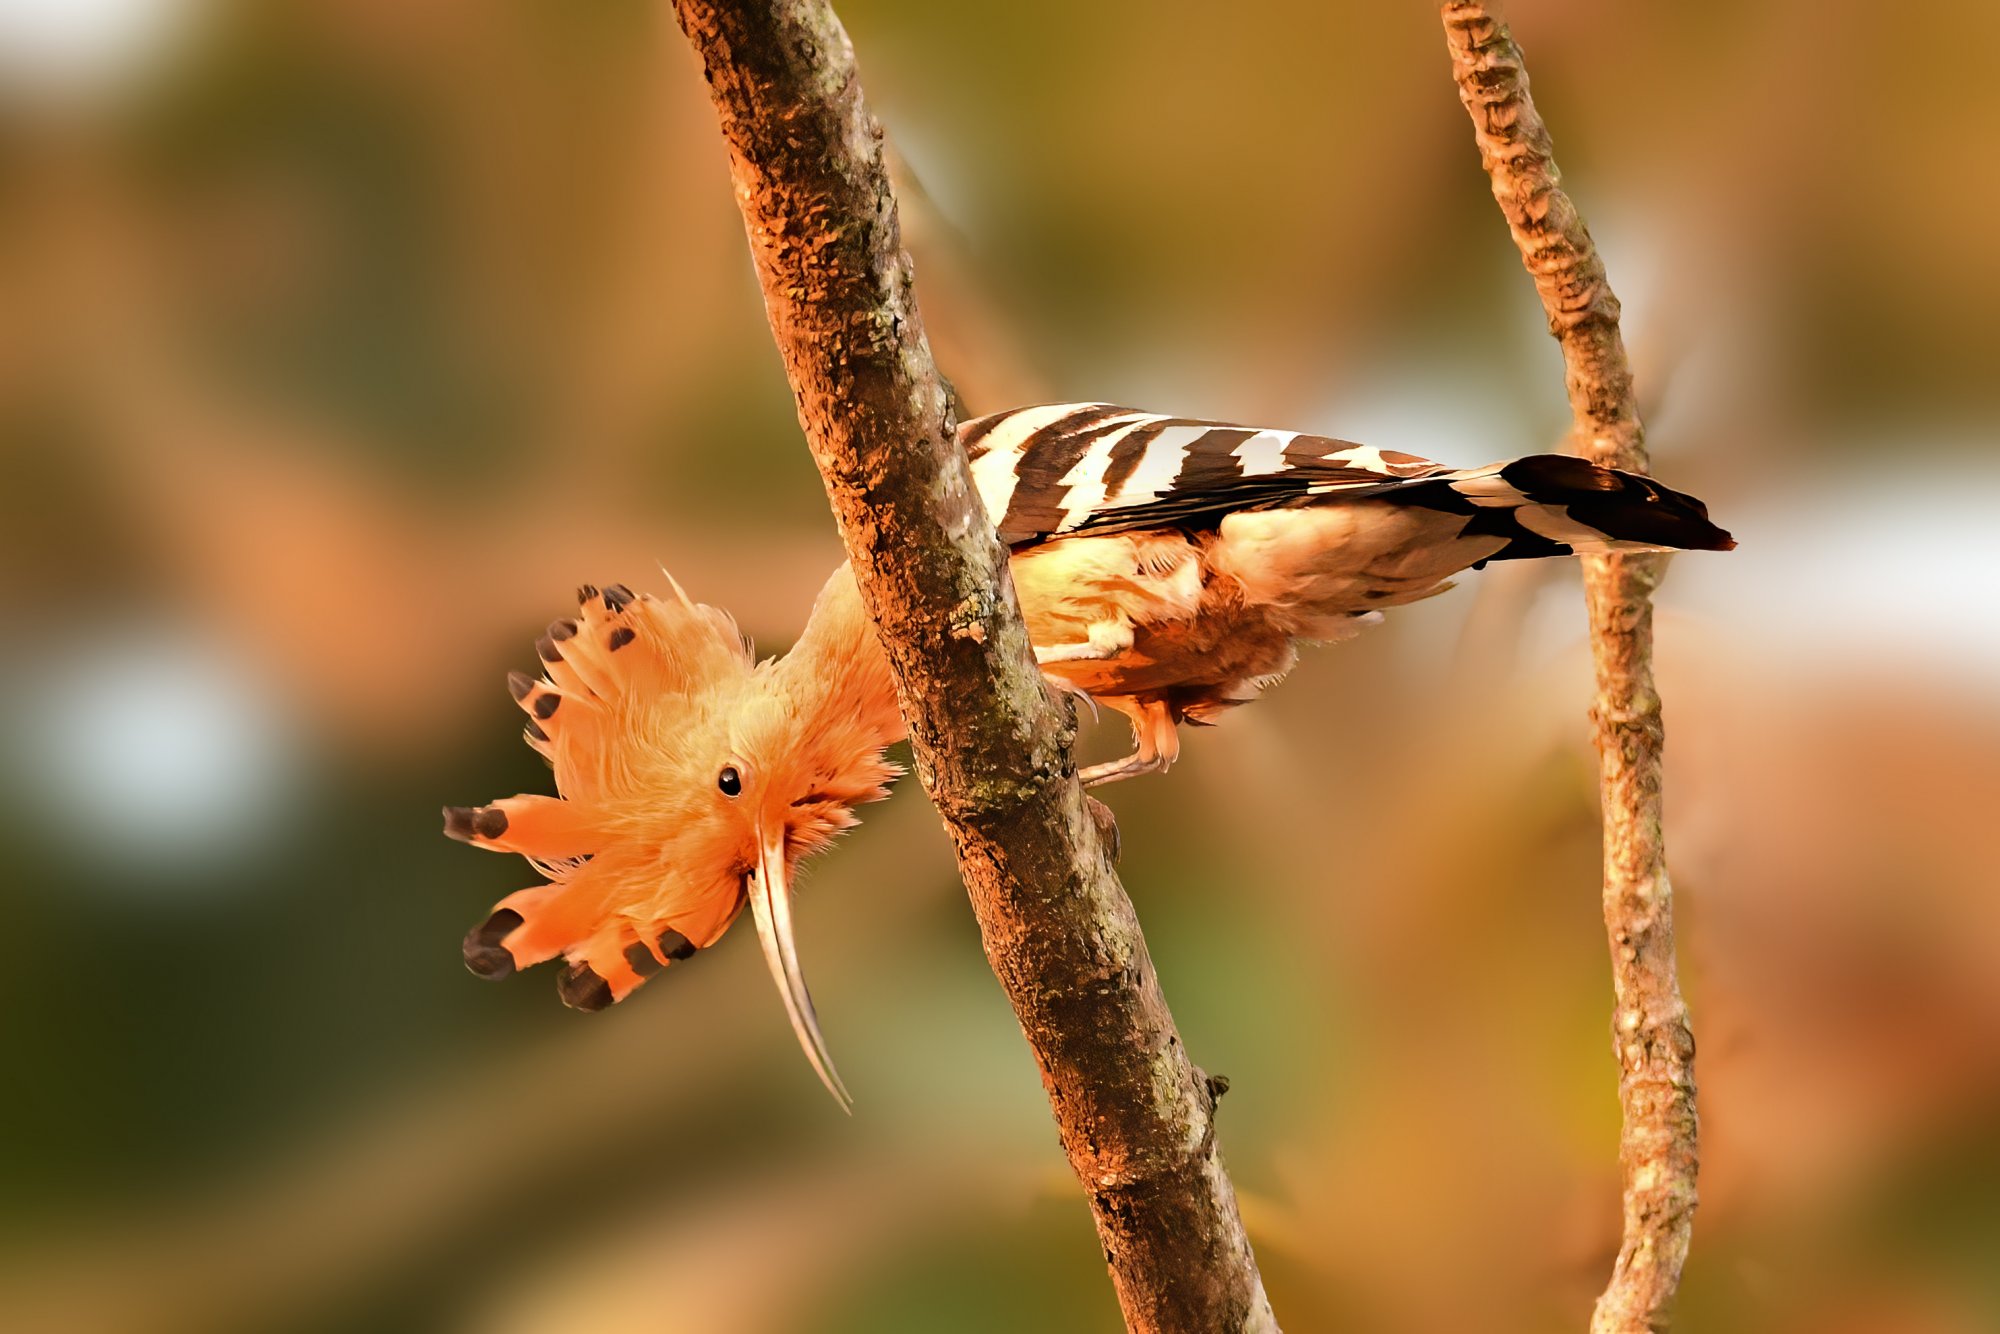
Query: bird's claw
{"type": "Point", "coordinates": [1068, 687]}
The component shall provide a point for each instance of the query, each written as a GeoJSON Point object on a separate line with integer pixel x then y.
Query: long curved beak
{"type": "Point", "coordinates": [771, 904]}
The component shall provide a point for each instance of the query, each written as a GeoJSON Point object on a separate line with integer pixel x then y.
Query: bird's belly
{"type": "Point", "coordinates": [1066, 587]}
{"type": "Point", "coordinates": [1212, 655]}
{"type": "Point", "coordinates": [1209, 621]}
{"type": "Point", "coordinates": [1312, 568]}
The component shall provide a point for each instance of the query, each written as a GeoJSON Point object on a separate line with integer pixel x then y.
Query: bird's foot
{"type": "Point", "coordinates": [1130, 767]}
{"type": "Point", "coordinates": [1104, 640]}
{"type": "Point", "coordinates": [1070, 653]}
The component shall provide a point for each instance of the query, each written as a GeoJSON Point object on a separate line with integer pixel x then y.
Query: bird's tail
{"type": "Point", "coordinates": [1556, 504]}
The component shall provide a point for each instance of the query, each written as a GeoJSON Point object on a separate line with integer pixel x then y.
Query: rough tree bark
{"type": "Point", "coordinates": [992, 744]}
{"type": "Point", "coordinates": [1650, 1033]}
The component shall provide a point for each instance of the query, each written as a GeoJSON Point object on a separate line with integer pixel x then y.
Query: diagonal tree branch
{"type": "Point", "coordinates": [992, 745]}
{"type": "Point", "coordinates": [1650, 1033]}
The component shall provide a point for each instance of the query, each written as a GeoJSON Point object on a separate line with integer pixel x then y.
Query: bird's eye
{"type": "Point", "coordinates": [730, 782]}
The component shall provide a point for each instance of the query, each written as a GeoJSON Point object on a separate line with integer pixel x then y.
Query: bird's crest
{"type": "Point", "coordinates": [692, 781]}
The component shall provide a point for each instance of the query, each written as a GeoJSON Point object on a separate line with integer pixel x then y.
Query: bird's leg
{"type": "Point", "coordinates": [1158, 741]}
{"type": "Point", "coordinates": [1105, 639]}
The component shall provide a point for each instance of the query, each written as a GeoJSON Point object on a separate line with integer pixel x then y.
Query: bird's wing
{"type": "Point", "coordinates": [1090, 469]}
{"type": "Point", "coordinates": [1066, 468]}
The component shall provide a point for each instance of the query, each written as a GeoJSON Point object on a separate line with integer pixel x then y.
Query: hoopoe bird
{"type": "Point", "coordinates": [1167, 568]}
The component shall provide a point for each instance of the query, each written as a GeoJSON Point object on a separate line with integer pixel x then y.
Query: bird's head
{"type": "Point", "coordinates": [693, 780]}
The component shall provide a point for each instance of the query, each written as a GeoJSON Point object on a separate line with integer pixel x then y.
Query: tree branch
{"type": "Point", "coordinates": [992, 745]}
{"type": "Point", "coordinates": [1650, 1034]}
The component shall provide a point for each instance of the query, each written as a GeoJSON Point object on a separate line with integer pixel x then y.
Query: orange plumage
{"type": "Point", "coordinates": [1166, 567]}
{"type": "Point", "coordinates": [692, 780]}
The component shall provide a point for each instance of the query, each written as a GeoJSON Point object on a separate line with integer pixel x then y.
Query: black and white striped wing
{"type": "Point", "coordinates": [1088, 467]}
{"type": "Point", "coordinates": [1092, 469]}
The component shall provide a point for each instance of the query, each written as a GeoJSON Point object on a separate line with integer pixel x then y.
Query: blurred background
{"type": "Point", "coordinates": [340, 339]}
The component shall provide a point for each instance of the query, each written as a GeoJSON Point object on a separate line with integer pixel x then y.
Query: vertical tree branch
{"type": "Point", "coordinates": [1654, 1046]}
{"type": "Point", "coordinates": [992, 745]}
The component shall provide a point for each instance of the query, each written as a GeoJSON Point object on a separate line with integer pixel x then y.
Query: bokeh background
{"type": "Point", "coordinates": [340, 339]}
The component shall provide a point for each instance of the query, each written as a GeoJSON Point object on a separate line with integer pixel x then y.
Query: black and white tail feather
{"type": "Point", "coordinates": [1091, 469]}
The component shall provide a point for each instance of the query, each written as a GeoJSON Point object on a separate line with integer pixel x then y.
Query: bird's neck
{"type": "Point", "coordinates": [837, 671]}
